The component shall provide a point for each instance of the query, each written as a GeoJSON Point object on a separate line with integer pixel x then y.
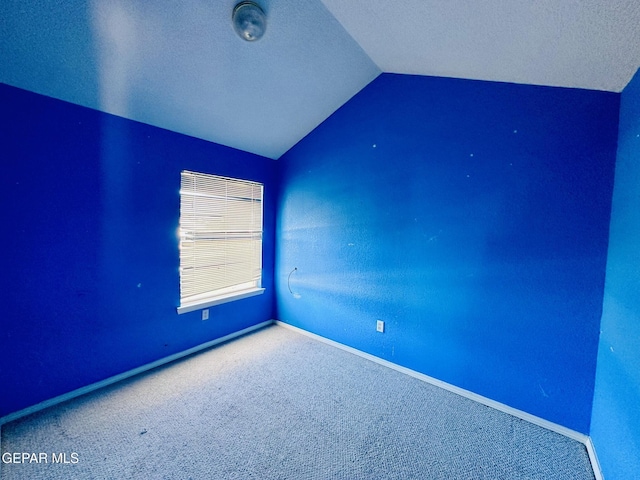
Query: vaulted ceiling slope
{"type": "Point", "coordinates": [592, 44]}
{"type": "Point", "coordinates": [180, 65]}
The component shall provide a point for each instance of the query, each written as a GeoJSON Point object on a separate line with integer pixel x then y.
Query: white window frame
{"type": "Point", "coordinates": [220, 240]}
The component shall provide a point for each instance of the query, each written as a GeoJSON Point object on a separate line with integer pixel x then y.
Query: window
{"type": "Point", "coordinates": [220, 240]}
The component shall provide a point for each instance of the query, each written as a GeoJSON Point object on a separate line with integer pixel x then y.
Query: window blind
{"type": "Point", "coordinates": [220, 236]}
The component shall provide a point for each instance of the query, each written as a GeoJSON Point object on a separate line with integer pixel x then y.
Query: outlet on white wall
{"type": "Point", "coordinates": [380, 326]}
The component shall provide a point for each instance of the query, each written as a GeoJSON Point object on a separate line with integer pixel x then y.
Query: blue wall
{"type": "Point", "coordinates": [472, 217]}
{"type": "Point", "coordinates": [89, 269]}
{"type": "Point", "coordinates": [615, 425]}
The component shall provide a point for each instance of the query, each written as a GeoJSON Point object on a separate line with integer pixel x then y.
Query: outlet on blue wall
{"type": "Point", "coordinates": [472, 217]}
{"type": "Point", "coordinates": [89, 269]}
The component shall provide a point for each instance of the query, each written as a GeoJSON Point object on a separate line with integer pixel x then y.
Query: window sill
{"type": "Point", "coordinates": [218, 300]}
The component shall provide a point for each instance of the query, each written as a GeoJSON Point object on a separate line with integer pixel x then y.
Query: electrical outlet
{"type": "Point", "coordinates": [205, 314]}
{"type": "Point", "coordinates": [380, 326]}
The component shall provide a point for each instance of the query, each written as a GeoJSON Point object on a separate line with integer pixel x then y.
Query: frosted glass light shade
{"type": "Point", "coordinates": [249, 21]}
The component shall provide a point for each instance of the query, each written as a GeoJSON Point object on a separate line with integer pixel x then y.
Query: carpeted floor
{"type": "Point", "coordinates": [276, 404]}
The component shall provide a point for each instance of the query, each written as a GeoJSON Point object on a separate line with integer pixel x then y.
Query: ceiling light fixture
{"type": "Point", "coordinates": [249, 21]}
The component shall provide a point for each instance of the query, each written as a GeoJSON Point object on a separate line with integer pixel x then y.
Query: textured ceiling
{"type": "Point", "coordinates": [180, 65]}
{"type": "Point", "coordinates": [593, 44]}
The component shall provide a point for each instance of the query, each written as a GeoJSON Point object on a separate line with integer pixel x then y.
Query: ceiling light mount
{"type": "Point", "coordinates": [249, 21]}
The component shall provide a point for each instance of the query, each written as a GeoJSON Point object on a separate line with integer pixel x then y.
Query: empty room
{"type": "Point", "coordinates": [322, 239]}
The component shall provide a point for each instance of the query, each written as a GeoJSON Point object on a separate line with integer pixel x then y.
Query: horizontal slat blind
{"type": "Point", "coordinates": [220, 235]}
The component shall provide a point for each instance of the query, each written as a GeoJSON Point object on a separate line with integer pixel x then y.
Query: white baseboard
{"type": "Point", "coordinates": [541, 422]}
{"type": "Point", "coordinates": [122, 376]}
{"type": "Point", "coordinates": [595, 463]}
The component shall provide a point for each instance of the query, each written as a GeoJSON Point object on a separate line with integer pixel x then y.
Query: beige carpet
{"type": "Point", "coordinates": [276, 404]}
